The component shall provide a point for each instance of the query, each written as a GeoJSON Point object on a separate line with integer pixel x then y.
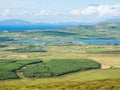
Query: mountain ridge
{"type": "Point", "coordinates": [18, 24]}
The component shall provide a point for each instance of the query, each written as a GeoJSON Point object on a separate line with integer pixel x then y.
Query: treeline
{"type": "Point", "coordinates": [29, 48]}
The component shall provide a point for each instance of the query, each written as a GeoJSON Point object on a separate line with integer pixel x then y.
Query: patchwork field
{"type": "Point", "coordinates": [99, 53]}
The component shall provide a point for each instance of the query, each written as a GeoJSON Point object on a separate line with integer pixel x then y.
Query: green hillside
{"type": "Point", "coordinates": [102, 31]}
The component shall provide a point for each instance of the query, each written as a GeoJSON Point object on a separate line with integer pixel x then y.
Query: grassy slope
{"type": "Point", "coordinates": [75, 81]}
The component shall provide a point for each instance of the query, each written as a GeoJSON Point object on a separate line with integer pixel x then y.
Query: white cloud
{"type": "Point", "coordinates": [45, 12]}
{"type": "Point", "coordinates": [89, 10]}
{"type": "Point", "coordinates": [75, 12]}
{"type": "Point", "coordinates": [102, 11]}
{"type": "Point", "coordinates": [6, 12]}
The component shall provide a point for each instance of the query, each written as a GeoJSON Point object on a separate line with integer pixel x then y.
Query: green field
{"type": "Point", "coordinates": [59, 67]}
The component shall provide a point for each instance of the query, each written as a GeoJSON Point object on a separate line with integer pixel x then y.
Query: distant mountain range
{"type": "Point", "coordinates": [113, 20]}
{"type": "Point", "coordinates": [23, 22]}
{"type": "Point", "coordinates": [17, 24]}
{"type": "Point", "coordinates": [14, 22]}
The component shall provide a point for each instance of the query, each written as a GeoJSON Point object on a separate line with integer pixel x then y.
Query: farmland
{"type": "Point", "coordinates": [37, 69]}
{"type": "Point", "coordinates": [108, 74]}
{"type": "Point", "coordinates": [59, 67]}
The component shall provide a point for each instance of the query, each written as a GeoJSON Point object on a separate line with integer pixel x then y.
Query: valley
{"type": "Point", "coordinates": [61, 59]}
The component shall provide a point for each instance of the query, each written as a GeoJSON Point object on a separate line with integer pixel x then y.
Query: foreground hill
{"type": "Point", "coordinates": [72, 82]}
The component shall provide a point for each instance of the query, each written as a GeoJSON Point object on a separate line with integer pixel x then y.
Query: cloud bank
{"type": "Point", "coordinates": [92, 12]}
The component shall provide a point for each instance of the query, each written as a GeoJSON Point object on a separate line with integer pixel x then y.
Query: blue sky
{"type": "Point", "coordinates": [59, 10]}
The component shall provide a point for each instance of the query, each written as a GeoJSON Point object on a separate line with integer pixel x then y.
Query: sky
{"type": "Point", "coordinates": [55, 11]}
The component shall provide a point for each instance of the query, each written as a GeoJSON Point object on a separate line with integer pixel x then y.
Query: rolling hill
{"type": "Point", "coordinates": [105, 30]}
